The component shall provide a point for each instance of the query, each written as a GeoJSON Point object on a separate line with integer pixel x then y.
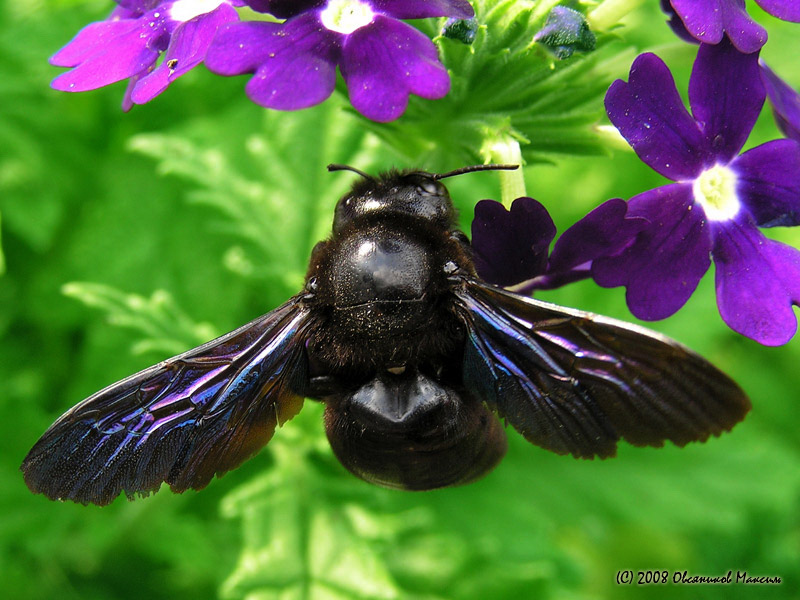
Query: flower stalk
{"type": "Point", "coordinates": [612, 138]}
{"type": "Point", "coordinates": [610, 12]}
{"type": "Point", "coordinates": [504, 149]}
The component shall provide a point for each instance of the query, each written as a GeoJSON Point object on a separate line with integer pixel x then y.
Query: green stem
{"type": "Point", "coordinates": [610, 12]}
{"type": "Point", "coordinates": [612, 138]}
{"type": "Point", "coordinates": [504, 149]}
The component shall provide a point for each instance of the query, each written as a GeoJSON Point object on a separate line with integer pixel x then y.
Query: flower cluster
{"type": "Point", "coordinates": [663, 242]}
{"type": "Point", "coordinates": [719, 200]}
{"type": "Point", "coordinates": [712, 21]}
{"type": "Point", "coordinates": [658, 244]}
{"type": "Point", "coordinates": [511, 248]}
{"type": "Point", "coordinates": [293, 62]}
{"type": "Point", "coordinates": [129, 43]}
{"type": "Point", "coordinates": [709, 21]}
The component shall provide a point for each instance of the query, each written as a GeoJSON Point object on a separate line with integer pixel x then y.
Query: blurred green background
{"type": "Point", "coordinates": [130, 237]}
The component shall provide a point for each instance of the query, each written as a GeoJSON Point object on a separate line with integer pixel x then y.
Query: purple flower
{"type": "Point", "coordinates": [719, 200]}
{"type": "Point", "coordinates": [511, 247]}
{"type": "Point", "coordinates": [382, 59]}
{"type": "Point", "coordinates": [708, 21]}
{"type": "Point", "coordinates": [128, 44]}
{"type": "Point", "coordinates": [785, 102]}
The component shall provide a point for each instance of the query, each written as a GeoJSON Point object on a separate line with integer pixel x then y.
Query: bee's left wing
{"type": "Point", "coordinates": [183, 420]}
{"type": "Point", "coordinates": [575, 383]}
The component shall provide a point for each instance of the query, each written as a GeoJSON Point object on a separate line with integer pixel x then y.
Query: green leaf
{"type": "Point", "coordinates": [312, 531]}
{"type": "Point", "coordinates": [504, 81]}
{"type": "Point", "coordinates": [274, 195]}
{"type": "Point", "coordinates": [165, 326]}
{"type": "Point", "coordinates": [302, 537]}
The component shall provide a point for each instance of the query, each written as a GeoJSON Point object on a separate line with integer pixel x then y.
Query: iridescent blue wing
{"type": "Point", "coordinates": [182, 421]}
{"type": "Point", "coordinates": [575, 383]}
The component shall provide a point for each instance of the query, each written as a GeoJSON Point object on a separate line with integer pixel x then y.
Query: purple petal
{"type": "Point", "coordinates": [708, 20]}
{"type": "Point", "coordinates": [262, 6]}
{"type": "Point", "coordinates": [662, 268]}
{"type": "Point", "coordinates": [747, 35]}
{"type": "Point", "coordinates": [511, 246]}
{"type": "Point", "coordinates": [703, 19]}
{"type": "Point", "coordinates": [187, 49]}
{"type": "Point", "coordinates": [757, 282]}
{"type": "Point", "coordinates": [284, 9]}
{"type": "Point", "coordinates": [603, 232]}
{"type": "Point", "coordinates": [294, 62]}
{"type": "Point", "coordinates": [292, 81]}
{"type": "Point", "coordinates": [127, 102]}
{"type": "Point", "coordinates": [726, 96]}
{"type": "Point", "coordinates": [287, 76]}
{"type": "Point", "coordinates": [420, 9]}
{"type": "Point", "coordinates": [139, 6]}
{"type": "Point", "coordinates": [649, 113]}
{"type": "Point", "coordinates": [785, 102]}
{"type": "Point", "coordinates": [92, 39]}
{"type": "Point", "coordinates": [107, 52]}
{"type": "Point", "coordinates": [386, 61]}
{"type": "Point", "coordinates": [676, 24]}
{"type": "Point", "coordinates": [241, 47]}
{"type": "Point", "coordinates": [769, 183]}
{"type": "Point", "coordinates": [298, 64]}
{"type": "Point", "coordinates": [552, 281]}
{"type": "Point", "coordinates": [788, 10]}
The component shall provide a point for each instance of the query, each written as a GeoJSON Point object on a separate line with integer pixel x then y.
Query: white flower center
{"type": "Point", "coordinates": [715, 191]}
{"type": "Point", "coordinates": [186, 10]}
{"type": "Point", "coordinates": [345, 16]}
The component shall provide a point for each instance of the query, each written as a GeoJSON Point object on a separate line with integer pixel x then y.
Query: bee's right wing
{"type": "Point", "coordinates": [181, 421]}
{"type": "Point", "coordinates": [575, 383]}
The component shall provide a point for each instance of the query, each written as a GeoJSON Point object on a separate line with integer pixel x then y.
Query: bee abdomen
{"type": "Point", "coordinates": [411, 432]}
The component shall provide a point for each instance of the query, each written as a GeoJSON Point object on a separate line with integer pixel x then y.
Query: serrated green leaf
{"type": "Point", "coordinates": [505, 80]}
{"type": "Point", "coordinates": [165, 326]}
{"type": "Point", "coordinates": [254, 185]}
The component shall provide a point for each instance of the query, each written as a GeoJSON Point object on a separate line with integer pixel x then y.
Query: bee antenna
{"type": "Point", "coordinates": [335, 167]}
{"type": "Point", "coordinates": [473, 168]}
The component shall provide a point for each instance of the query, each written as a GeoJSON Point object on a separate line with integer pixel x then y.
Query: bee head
{"type": "Point", "coordinates": [412, 193]}
{"type": "Point", "coordinates": [415, 194]}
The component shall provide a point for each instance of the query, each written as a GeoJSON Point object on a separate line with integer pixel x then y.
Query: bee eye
{"type": "Point", "coordinates": [428, 187]}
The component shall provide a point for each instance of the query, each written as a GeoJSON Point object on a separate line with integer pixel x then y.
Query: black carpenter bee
{"type": "Point", "coordinates": [416, 359]}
